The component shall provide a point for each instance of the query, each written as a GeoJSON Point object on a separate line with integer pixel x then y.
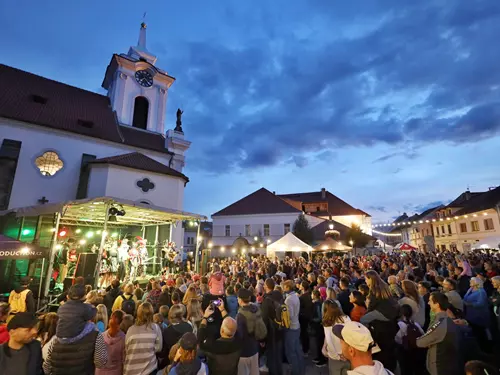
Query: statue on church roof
{"type": "Point", "coordinates": [178, 123]}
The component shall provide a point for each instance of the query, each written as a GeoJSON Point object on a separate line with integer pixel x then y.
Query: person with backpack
{"type": "Point", "coordinates": [273, 309]}
{"type": "Point", "coordinates": [126, 302]}
{"type": "Point", "coordinates": [410, 356]}
{"type": "Point", "coordinates": [252, 329]}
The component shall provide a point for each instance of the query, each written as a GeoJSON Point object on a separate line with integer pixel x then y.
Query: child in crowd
{"type": "Point", "coordinates": [358, 300]}
{"type": "Point", "coordinates": [364, 289]}
{"type": "Point", "coordinates": [115, 343]}
{"type": "Point", "coordinates": [164, 312]}
{"type": "Point", "coordinates": [396, 290]}
{"type": "Point", "coordinates": [158, 319]}
{"type": "Point", "coordinates": [231, 302]}
{"type": "Point", "coordinates": [101, 318]}
{"type": "Point", "coordinates": [74, 314]}
{"type": "Point", "coordinates": [127, 322]}
{"type": "Point", "coordinates": [317, 328]}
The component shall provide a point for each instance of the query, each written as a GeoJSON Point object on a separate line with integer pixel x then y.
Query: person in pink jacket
{"type": "Point", "coordinates": [216, 282]}
{"type": "Point", "coordinates": [115, 342]}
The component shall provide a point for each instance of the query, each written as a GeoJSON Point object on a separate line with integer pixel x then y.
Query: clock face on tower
{"type": "Point", "coordinates": [144, 78]}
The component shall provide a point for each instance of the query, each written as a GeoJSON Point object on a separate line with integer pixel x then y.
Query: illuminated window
{"type": "Point", "coordinates": [49, 163]}
{"type": "Point", "coordinates": [287, 228]}
{"type": "Point", "coordinates": [475, 226]}
{"type": "Point", "coordinates": [488, 224]}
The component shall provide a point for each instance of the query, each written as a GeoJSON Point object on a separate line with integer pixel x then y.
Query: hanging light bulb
{"type": "Point", "coordinates": [78, 231]}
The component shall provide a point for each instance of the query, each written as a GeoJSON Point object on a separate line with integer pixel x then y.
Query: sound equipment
{"type": "Point", "coordinates": [85, 267]}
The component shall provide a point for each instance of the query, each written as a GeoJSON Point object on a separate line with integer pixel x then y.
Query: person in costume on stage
{"type": "Point", "coordinates": [133, 255]}
{"type": "Point", "coordinates": [143, 256]}
{"type": "Point", "coordinates": [123, 258]}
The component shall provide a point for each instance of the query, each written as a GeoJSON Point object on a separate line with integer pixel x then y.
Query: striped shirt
{"type": "Point", "coordinates": [141, 344]}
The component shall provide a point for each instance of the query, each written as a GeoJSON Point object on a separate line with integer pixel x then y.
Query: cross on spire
{"type": "Point", "coordinates": [142, 33]}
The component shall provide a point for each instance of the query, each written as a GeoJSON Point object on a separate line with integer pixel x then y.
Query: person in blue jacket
{"type": "Point", "coordinates": [476, 311]}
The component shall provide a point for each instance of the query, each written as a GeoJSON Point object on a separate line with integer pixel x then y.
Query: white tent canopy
{"type": "Point", "coordinates": [492, 242]}
{"type": "Point", "coordinates": [288, 243]}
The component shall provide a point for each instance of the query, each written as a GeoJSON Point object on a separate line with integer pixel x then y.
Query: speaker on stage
{"type": "Point", "coordinates": [85, 267]}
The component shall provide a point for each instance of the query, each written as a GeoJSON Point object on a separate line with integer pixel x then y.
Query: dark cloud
{"type": "Point", "coordinates": [378, 208]}
{"type": "Point", "coordinates": [423, 207]}
{"type": "Point", "coordinates": [413, 72]}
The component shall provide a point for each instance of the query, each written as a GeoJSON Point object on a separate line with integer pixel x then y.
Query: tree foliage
{"type": "Point", "coordinates": [302, 230]}
{"type": "Point", "coordinates": [356, 234]}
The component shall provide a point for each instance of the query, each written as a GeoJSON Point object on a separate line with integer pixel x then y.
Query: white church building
{"type": "Point", "coordinates": [60, 143]}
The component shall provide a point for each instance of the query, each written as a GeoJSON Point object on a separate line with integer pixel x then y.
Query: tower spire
{"type": "Point", "coordinates": [142, 34]}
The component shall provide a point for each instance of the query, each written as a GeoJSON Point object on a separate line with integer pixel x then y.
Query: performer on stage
{"type": "Point", "coordinates": [123, 257]}
{"type": "Point", "coordinates": [133, 255]}
{"type": "Point", "coordinates": [143, 256]}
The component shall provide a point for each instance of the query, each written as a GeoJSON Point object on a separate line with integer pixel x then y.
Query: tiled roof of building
{"type": "Point", "coordinates": [463, 198]}
{"type": "Point", "coordinates": [41, 101]}
{"type": "Point", "coordinates": [261, 201]}
{"type": "Point", "coordinates": [136, 160]}
{"type": "Point", "coordinates": [336, 206]}
{"type": "Point", "coordinates": [481, 202]}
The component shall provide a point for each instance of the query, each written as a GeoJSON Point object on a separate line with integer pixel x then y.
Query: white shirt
{"type": "Point", "coordinates": [332, 342]}
{"type": "Point", "coordinates": [403, 329]}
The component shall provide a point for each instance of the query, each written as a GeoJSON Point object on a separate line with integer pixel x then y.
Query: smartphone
{"type": "Point", "coordinates": [217, 302]}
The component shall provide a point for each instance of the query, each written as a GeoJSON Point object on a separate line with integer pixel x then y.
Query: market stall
{"type": "Point", "coordinates": [288, 245]}
{"type": "Point", "coordinates": [403, 246]}
{"type": "Point", "coordinates": [100, 233]}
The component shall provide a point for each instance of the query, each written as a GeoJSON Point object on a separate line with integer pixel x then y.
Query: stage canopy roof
{"type": "Point", "coordinates": [289, 243]}
{"type": "Point", "coordinates": [91, 211]}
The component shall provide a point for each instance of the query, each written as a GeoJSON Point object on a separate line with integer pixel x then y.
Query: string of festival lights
{"type": "Point", "coordinates": [403, 223]}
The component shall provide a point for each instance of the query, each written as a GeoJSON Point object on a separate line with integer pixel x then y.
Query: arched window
{"type": "Point", "coordinates": [141, 107]}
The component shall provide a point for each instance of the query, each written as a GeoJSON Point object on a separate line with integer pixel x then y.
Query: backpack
{"type": "Point", "coordinates": [281, 315]}
{"type": "Point", "coordinates": [412, 334]}
{"type": "Point", "coordinates": [18, 301]}
{"type": "Point", "coordinates": [128, 305]}
{"type": "Point", "coordinates": [255, 324]}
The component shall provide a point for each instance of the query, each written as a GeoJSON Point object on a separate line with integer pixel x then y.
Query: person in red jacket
{"type": "Point", "coordinates": [358, 300]}
{"type": "Point", "coordinates": [4, 313]}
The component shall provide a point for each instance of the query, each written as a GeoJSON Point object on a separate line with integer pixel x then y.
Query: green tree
{"type": "Point", "coordinates": [302, 229]}
{"type": "Point", "coordinates": [356, 235]}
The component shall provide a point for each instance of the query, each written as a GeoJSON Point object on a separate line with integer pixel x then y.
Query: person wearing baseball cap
{"type": "Point", "coordinates": [358, 347]}
{"type": "Point", "coordinates": [21, 299]}
{"type": "Point", "coordinates": [22, 354]}
{"type": "Point", "coordinates": [186, 361]}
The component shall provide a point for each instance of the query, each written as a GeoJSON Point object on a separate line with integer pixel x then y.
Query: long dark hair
{"type": "Point", "coordinates": [47, 324]}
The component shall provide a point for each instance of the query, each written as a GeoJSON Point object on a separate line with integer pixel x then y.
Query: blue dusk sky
{"type": "Point", "coordinates": [393, 105]}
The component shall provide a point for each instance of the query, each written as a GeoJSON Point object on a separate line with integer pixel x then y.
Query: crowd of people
{"type": "Point", "coordinates": [409, 314]}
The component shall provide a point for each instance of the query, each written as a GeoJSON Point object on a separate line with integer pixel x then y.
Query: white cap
{"type": "Point", "coordinates": [356, 335]}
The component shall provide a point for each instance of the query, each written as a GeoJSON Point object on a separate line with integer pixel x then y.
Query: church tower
{"type": "Point", "coordinates": [137, 88]}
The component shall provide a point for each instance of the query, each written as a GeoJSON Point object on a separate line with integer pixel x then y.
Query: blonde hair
{"type": "Point", "coordinates": [190, 295]}
{"type": "Point", "coordinates": [102, 315]}
{"type": "Point", "coordinates": [194, 312]}
{"type": "Point", "coordinates": [144, 314]}
{"type": "Point", "coordinates": [129, 289]}
{"type": "Point", "coordinates": [176, 314]}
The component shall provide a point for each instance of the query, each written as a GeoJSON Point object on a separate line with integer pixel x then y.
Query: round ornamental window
{"type": "Point", "coordinates": [49, 163]}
